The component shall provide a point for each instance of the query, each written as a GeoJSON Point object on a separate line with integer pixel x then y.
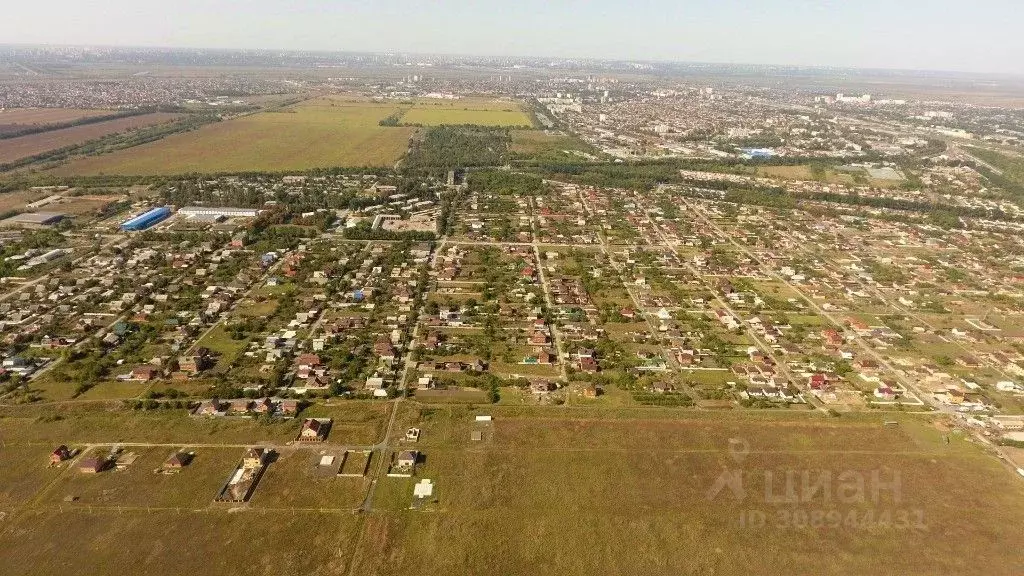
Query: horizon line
{"type": "Point", "coordinates": [1015, 75]}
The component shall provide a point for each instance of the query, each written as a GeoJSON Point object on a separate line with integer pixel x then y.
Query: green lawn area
{"type": "Point", "coordinates": [115, 389]}
{"type": "Point", "coordinates": [221, 343]}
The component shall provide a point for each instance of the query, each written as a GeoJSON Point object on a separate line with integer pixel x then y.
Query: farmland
{"type": "Point", "coordinates": [20, 118]}
{"type": "Point", "coordinates": [469, 111]}
{"type": "Point", "coordinates": [15, 148]}
{"type": "Point", "coordinates": [315, 134]}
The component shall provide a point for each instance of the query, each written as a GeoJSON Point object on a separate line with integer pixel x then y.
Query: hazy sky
{"type": "Point", "coordinates": [963, 35]}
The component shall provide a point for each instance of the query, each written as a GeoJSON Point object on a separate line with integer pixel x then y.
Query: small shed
{"type": "Point", "coordinates": [178, 460]}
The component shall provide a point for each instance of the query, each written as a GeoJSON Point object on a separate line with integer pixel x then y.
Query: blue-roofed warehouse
{"type": "Point", "coordinates": [146, 219]}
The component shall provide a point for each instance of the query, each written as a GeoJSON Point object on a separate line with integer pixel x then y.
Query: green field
{"type": "Point", "coordinates": [545, 491]}
{"type": "Point", "coordinates": [468, 111]}
{"type": "Point", "coordinates": [537, 141]}
{"type": "Point", "coordinates": [1012, 167]}
{"type": "Point", "coordinates": [314, 134]}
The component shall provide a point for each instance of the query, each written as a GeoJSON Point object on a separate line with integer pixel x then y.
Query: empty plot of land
{"type": "Point", "coordinates": [23, 471]}
{"type": "Point", "coordinates": [314, 134]}
{"type": "Point", "coordinates": [538, 141]}
{"type": "Point", "coordinates": [79, 205]}
{"type": "Point", "coordinates": [472, 111]}
{"type": "Point", "coordinates": [600, 496]}
{"type": "Point", "coordinates": [214, 542]}
{"type": "Point", "coordinates": [550, 491]}
{"type": "Point", "coordinates": [805, 172]}
{"type": "Point", "coordinates": [16, 148]}
{"type": "Point", "coordinates": [18, 200]}
{"type": "Point", "coordinates": [292, 481]}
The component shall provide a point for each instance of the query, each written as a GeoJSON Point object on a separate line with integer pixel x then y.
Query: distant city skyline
{"type": "Point", "coordinates": [873, 34]}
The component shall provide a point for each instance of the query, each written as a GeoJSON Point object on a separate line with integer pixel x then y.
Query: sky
{"type": "Point", "coordinates": [953, 35]}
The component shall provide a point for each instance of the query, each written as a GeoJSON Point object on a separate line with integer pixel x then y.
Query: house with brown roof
{"type": "Point", "coordinates": [93, 464]}
{"type": "Point", "coordinates": [196, 363]}
{"type": "Point", "coordinates": [539, 338]}
{"type": "Point", "coordinates": [211, 407]}
{"type": "Point", "coordinates": [307, 361]}
{"type": "Point", "coordinates": [60, 454]}
{"type": "Point", "coordinates": [145, 373]}
{"type": "Point", "coordinates": [178, 460]}
{"type": "Point", "coordinates": [289, 408]}
{"type": "Point", "coordinates": [314, 429]}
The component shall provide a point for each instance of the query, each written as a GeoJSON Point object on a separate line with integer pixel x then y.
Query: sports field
{"type": "Point", "coordinates": [315, 134]}
{"type": "Point", "coordinates": [542, 491]}
{"type": "Point", "coordinates": [482, 112]}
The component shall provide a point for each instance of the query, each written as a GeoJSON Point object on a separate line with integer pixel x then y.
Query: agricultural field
{"type": "Point", "coordinates": [470, 111]}
{"type": "Point", "coordinates": [16, 119]}
{"type": "Point", "coordinates": [22, 146]}
{"type": "Point", "coordinates": [315, 134]}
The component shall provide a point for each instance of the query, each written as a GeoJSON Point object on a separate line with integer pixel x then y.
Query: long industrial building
{"type": "Point", "coordinates": [225, 212]}
{"type": "Point", "coordinates": [146, 219]}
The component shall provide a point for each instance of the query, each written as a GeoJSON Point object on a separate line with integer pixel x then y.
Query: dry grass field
{"type": "Point", "coordinates": [482, 112]}
{"type": "Point", "coordinates": [292, 482]}
{"type": "Point", "coordinates": [803, 172]}
{"type": "Point", "coordinates": [15, 148]}
{"type": "Point", "coordinates": [539, 141]}
{"type": "Point", "coordinates": [104, 423]}
{"type": "Point", "coordinates": [315, 134]}
{"type": "Point", "coordinates": [43, 116]}
{"type": "Point", "coordinates": [18, 199]}
{"type": "Point", "coordinates": [553, 490]}
{"type": "Point", "coordinates": [15, 119]}
{"type": "Point", "coordinates": [599, 495]}
{"type": "Point", "coordinates": [170, 543]}
{"type": "Point", "coordinates": [140, 484]}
